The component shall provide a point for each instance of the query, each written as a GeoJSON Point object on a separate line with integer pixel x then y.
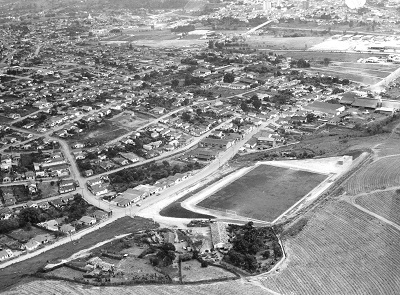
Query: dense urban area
{"type": "Point", "coordinates": [239, 145]}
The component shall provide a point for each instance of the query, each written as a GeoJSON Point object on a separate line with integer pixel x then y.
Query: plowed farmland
{"type": "Point", "coordinates": [385, 204]}
{"type": "Point", "coordinates": [381, 174]}
{"type": "Point", "coordinates": [60, 287]}
{"type": "Point", "coordinates": [342, 250]}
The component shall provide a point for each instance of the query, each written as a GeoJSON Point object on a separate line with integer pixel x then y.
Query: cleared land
{"type": "Point", "coordinates": [103, 132]}
{"type": "Point", "coordinates": [264, 193]}
{"type": "Point", "coordinates": [342, 250]}
{"type": "Point", "coordinates": [193, 272]}
{"type": "Point", "coordinates": [273, 43]}
{"type": "Point", "coordinates": [127, 120]}
{"type": "Point", "coordinates": [12, 274]}
{"type": "Point", "coordinates": [381, 174]}
{"type": "Point", "coordinates": [385, 204]}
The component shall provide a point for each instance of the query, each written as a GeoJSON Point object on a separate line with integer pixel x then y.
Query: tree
{"type": "Point", "coordinates": [175, 83]}
{"type": "Point", "coordinates": [326, 61]}
{"type": "Point", "coordinates": [229, 78]}
{"type": "Point", "coordinates": [186, 116]}
{"type": "Point", "coordinates": [257, 103]}
{"type": "Point", "coordinates": [310, 118]}
{"type": "Point", "coordinates": [29, 215]}
{"type": "Point", "coordinates": [244, 107]}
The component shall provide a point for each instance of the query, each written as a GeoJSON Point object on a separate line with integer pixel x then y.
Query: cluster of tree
{"type": "Point", "coordinates": [301, 63]}
{"type": "Point", "coordinates": [149, 173]}
{"type": "Point", "coordinates": [183, 29]}
{"type": "Point", "coordinates": [229, 78]}
{"type": "Point", "coordinates": [164, 256]}
{"type": "Point", "coordinates": [248, 241]}
{"type": "Point", "coordinates": [191, 80]}
{"type": "Point", "coordinates": [189, 61]}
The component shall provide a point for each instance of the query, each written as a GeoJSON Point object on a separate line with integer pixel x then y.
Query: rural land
{"type": "Point", "coordinates": [206, 146]}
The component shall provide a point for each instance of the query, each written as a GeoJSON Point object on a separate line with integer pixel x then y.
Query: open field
{"type": "Point", "coordinates": [47, 189]}
{"type": "Point", "coordinates": [319, 56]}
{"type": "Point", "coordinates": [385, 204]}
{"type": "Point", "coordinates": [273, 43]}
{"type": "Point", "coordinates": [192, 272]}
{"type": "Point", "coordinates": [342, 250]}
{"type": "Point", "coordinates": [264, 193]}
{"type": "Point", "coordinates": [66, 272]}
{"type": "Point", "coordinates": [4, 120]}
{"type": "Point", "coordinates": [47, 287]}
{"type": "Point", "coordinates": [380, 174]}
{"type": "Point", "coordinates": [127, 120]}
{"type": "Point", "coordinates": [105, 131]}
{"type": "Point", "coordinates": [12, 274]}
{"type": "Point", "coordinates": [353, 75]}
{"type": "Point", "coordinates": [390, 146]}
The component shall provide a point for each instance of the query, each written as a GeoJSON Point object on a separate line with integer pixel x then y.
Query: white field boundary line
{"type": "Point", "coordinates": [352, 200]}
{"type": "Point", "coordinates": [194, 200]}
{"type": "Point", "coordinates": [309, 197]}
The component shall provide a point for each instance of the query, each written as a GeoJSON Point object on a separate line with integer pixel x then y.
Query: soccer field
{"type": "Point", "coordinates": [264, 193]}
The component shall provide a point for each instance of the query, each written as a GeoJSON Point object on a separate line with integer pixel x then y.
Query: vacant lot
{"type": "Point", "coordinates": [176, 210]}
{"type": "Point", "coordinates": [48, 190]}
{"type": "Point", "coordinates": [128, 120]}
{"type": "Point", "coordinates": [66, 272]}
{"type": "Point", "coordinates": [265, 192]}
{"type": "Point", "coordinates": [12, 274]}
{"type": "Point", "coordinates": [192, 272]}
{"type": "Point", "coordinates": [273, 43]}
{"type": "Point", "coordinates": [103, 132]}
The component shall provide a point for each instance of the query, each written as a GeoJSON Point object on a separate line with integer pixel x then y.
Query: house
{"type": "Point", "coordinates": [88, 172]}
{"type": "Point", "coordinates": [32, 245]}
{"type": "Point", "coordinates": [66, 188]}
{"type": "Point", "coordinates": [120, 161]}
{"type": "Point", "coordinates": [31, 204]}
{"type": "Point", "coordinates": [44, 205]}
{"type": "Point", "coordinates": [50, 225]}
{"type": "Point", "coordinates": [67, 228]}
{"type": "Point", "coordinates": [87, 220]}
{"type": "Point", "coordinates": [204, 154]}
{"type": "Point", "coordinates": [7, 179]}
{"type": "Point", "coordinates": [99, 215]}
{"type": "Point", "coordinates": [158, 110]}
{"type": "Point", "coordinates": [365, 103]}
{"type": "Point", "coordinates": [5, 254]}
{"type": "Point", "coordinates": [95, 181]}
{"type": "Point", "coordinates": [215, 143]}
{"type": "Point", "coordinates": [78, 145]}
{"type": "Point", "coordinates": [43, 239]}
{"type": "Point", "coordinates": [219, 235]}
{"type": "Point", "coordinates": [130, 156]}
{"type": "Point", "coordinates": [58, 203]}
{"type": "Point", "coordinates": [98, 189]}
{"type": "Point", "coordinates": [30, 175]}
{"type": "Point", "coordinates": [319, 107]}
{"type": "Point", "coordinates": [149, 189]}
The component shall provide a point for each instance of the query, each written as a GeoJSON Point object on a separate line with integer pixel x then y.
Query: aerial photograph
{"type": "Point", "coordinates": [206, 147]}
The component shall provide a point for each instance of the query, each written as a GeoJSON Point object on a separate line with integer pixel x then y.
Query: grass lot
{"type": "Point", "coordinates": [127, 120]}
{"type": "Point", "coordinates": [4, 119]}
{"type": "Point", "coordinates": [12, 274]}
{"type": "Point", "coordinates": [193, 272]}
{"type": "Point", "coordinates": [21, 193]}
{"type": "Point", "coordinates": [66, 272]}
{"type": "Point", "coordinates": [264, 193]}
{"type": "Point", "coordinates": [103, 132]}
{"type": "Point", "coordinates": [176, 210]}
{"type": "Point", "coordinates": [356, 75]}
{"type": "Point", "coordinates": [48, 190]}
{"type": "Point", "coordinates": [25, 235]}
{"type": "Point", "coordinates": [271, 42]}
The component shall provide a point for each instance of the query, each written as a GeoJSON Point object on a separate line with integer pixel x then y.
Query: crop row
{"type": "Point", "coordinates": [380, 174]}
{"type": "Point", "coordinates": [342, 250]}
{"type": "Point", "coordinates": [385, 204]}
{"type": "Point", "coordinates": [65, 288]}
